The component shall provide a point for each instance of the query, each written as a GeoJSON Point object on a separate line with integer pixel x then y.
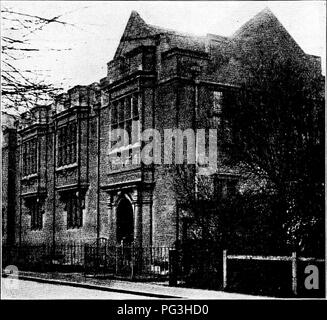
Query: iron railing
{"type": "Point", "coordinates": [97, 258]}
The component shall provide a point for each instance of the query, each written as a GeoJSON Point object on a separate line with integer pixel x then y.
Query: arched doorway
{"type": "Point", "coordinates": [125, 222]}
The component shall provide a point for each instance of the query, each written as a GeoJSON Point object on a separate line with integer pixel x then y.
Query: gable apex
{"type": "Point", "coordinates": [136, 29]}
{"type": "Point", "coordinates": [136, 19]}
{"type": "Point", "coordinates": [263, 18]}
{"type": "Point", "coordinates": [265, 25]}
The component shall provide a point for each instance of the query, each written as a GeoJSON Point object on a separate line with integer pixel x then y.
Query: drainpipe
{"type": "Point", "coordinates": [20, 190]}
{"type": "Point", "coordinates": [38, 150]}
{"type": "Point", "coordinates": [98, 170]}
{"type": "Point", "coordinates": [177, 124]}
{"type": "Point", "coordinates": [79, 153]}
{"type": "Point", "coordinates": [196, 111]}
{"type": "Point", "coordinates": [54, 187]}
{"type": "Point", "coordinates": [195, 71]}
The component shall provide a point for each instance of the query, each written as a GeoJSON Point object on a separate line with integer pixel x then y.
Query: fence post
{"type": "Point", "coordinates": [132, 260]}
{"type": "Point", "coordinates": [85, 258]}
{"type": "Point", "coordinates": [224, 269]}
{"type": "Point", "coordinates": [172, 267]}
{"type": "Point", "coordinates": [116, 259]}
{"type": "Point", "coordinates": [294, 273]}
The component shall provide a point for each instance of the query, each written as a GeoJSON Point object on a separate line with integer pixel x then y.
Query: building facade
{"type": "Point", "coordinates": [60, 183]}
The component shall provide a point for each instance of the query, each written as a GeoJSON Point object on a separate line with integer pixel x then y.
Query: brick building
{"type": "Point", "coordinates": [59, 183]}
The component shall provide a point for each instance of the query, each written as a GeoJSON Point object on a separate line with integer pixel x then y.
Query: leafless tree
{"type": "Point", "coordinates": [23, 87]}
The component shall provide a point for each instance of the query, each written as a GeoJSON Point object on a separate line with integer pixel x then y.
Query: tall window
{"type": "Point", "coordinates": [225, 187]}
{"type": "Point", "coordinates": [30, 157]}
{"type": "Point", "coordinates": [124, 115]}
{"type": "Point", "coordinates": [36, 216]}
{"type": "Point", "coordinates": [67, 144]}
{"type": "Point", "coordinates": [74, 212]}
{"type": "Point", "coordinates": [217, 102]}
{"type": "Point", "coordinates": [217, 117]}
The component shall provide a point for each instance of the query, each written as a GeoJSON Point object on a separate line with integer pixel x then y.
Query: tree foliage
{"type": "Point", "coordinates": [277, 123]}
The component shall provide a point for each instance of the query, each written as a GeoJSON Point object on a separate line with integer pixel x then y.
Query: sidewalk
{"type": "Point", "coordinates": [149, 289]}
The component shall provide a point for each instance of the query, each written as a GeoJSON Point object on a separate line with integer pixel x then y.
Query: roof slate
{"type": "Point", "coordinates": [262, 32]}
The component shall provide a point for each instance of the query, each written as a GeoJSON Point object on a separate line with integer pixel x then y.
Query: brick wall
{"type": "Point", "coordinates": [162, 70]}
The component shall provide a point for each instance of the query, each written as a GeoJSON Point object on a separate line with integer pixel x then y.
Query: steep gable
{"type": "Point", "coordinates": [260, 39]}
{"type": "Point", "coordinates": [136, 32]}
{"type": "Point", "coordinates": [251, 48]}
{"type": "Point", "coordinates": [265, 27]}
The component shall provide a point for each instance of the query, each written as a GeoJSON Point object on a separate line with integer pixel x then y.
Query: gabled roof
{"type": "Point", "coordinates": [262, 25]}
{"type": "Point", "coordinates": [262, 32]}
{"type": "Point", "coordinates": [253, 25]}
{"type": "Point", "coordinates": [136, 29]}
{"type": "Point", "coordinates": [266, 25]}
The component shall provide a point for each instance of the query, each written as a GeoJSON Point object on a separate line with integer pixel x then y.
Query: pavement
{"type": "Point", "coordinates": [32, 290]}
{"type": "Point", "coordinates": [121, 287]}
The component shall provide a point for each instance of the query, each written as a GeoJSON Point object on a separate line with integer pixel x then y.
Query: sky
{"type": "Point", "coordinates": [98, 26]}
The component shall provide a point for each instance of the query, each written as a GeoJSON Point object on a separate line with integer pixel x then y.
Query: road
{"type": "Point", "coordinates": [35, 290]}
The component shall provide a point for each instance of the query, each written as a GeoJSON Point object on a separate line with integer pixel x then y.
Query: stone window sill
{"type": "Point", "coordinates": [68, 166]}
{"type": "Point", "coordinates": [30, 176]}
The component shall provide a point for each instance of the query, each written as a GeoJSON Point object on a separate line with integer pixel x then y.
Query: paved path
{"type": "Point", "coordinates": [34, 290]}
{"type": "Point", "coordinates": [95, 288]}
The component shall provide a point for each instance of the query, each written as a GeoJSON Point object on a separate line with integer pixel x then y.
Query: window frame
{"type": "Point", "coordinates": [129, 123]}
{"type": "Point", "coordinates": [30, 157]}
{"type": "Point", "coordinates": [67, 144]}
{"type": "Point", "coordinates": [218, 102]}
{"type": "Point", "coordinates": [36, 216]}
{"type": "Point", "coordinates": [120, 119]}
{"type": "Point", "coordinates": [74, 212]}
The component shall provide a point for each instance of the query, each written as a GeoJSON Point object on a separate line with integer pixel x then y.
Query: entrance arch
{"type": "Point", "coordinates": [125, 222]}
